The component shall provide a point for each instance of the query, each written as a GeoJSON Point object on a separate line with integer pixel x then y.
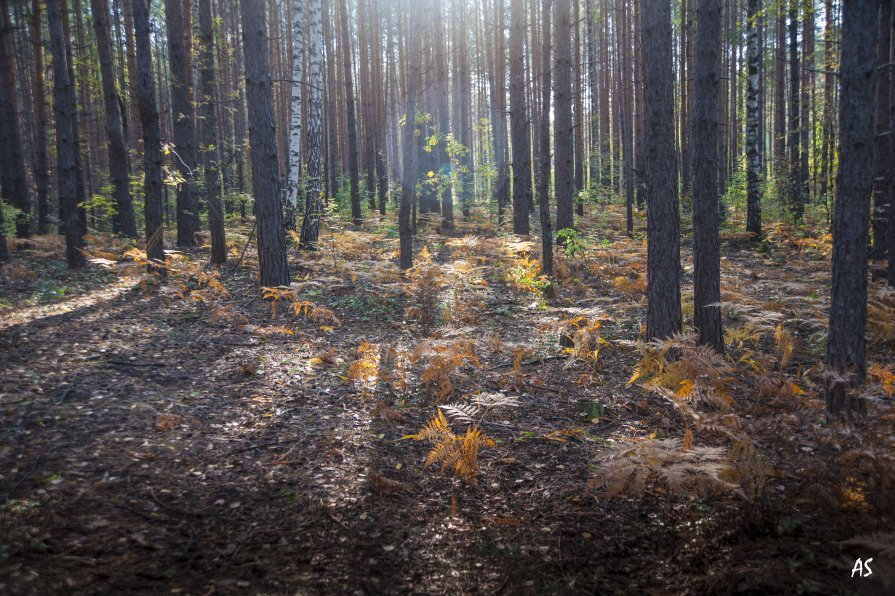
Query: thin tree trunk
{"type": "Point", "coordinates": [544, 149]}
{"type": "Point", "coordinates": [795, 161]}
{"type": "Point", "coordinates": [663, 225]}
{"type": "Point", "coordinates": [293, 187]}
{"type": "Point", "coordinates": [210, 141]}
{"type": "Point", "coordinates": [408, 178]}
{"type": "Point", "coordinates": [42, 160]}
{"type": "Point", "coordinates": [119, 160]}
{"type": "Point", "coordinates": [356, 215]}
{"type": "Point", "coordinates": [848, 302]}
{"type": "Point", "coordinates": [753, 116]}
{"type": "Point", "coordinates": [781, 169]}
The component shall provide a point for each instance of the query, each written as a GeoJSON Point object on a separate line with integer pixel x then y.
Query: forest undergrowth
{"type": "Point", "coordinates": [468, 426]}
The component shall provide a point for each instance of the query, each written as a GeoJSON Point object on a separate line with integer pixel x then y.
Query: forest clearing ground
{"type": "Point", "coordinates": [192, 440]}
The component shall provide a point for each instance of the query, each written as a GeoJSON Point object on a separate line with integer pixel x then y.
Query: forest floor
{"type": "Point", "coordinates": [196, 437]}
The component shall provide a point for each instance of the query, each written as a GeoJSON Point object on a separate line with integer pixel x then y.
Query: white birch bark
{"type": "Point", "coordinates": [293, 188]}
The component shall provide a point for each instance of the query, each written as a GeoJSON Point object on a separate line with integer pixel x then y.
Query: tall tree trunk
{"type": "Point", "coordinates": [379, 107]}
{"type": "Point", "coordinates": [891, 148]}
{"type": "Point", "coordinates": [592, 77]}
{"type": "Point", "coordinates": [210, 141]}
{"type": "Point", "coordinates": [310, 226]}
{"type": "Point", "coordinates": [882, 164]}
{"type": "Point", "coordinates": [184, 128]}
{"type": "Point", "coordinates": [356, 215]}
{"type": "Point", "coordinates": [498, 113]}
{"type": "Point", "coordinates": [562, 112]}
{"type": "Point", "coordinates": [42, 160]}
{"type": "Point", "coordinates": [149, 121]}
{"type": "Point", "coordinates": [578, 116]}
{"type": "Point", "coordinates": [13, 175]}
{"type": "Point", "coordinates": [119, 160]}
{"type": "Point", "coordinates": [408, 177]}
{"type": "Point", "coordinates": [848, 302]}
{"type": "Point", "coordinates": [781, 169]}
{"type": "Point", "coordinates": [544, 149]}
{"type": "Point", "coordinates": [441, 96]}
{"type": "Point", "coordinates": [805, 101]}
{"type": "Point", "coordinates": [263, 139]}
{"type": "Point", "coordinates": [663, 225]}
{"type": "Point", "coordinates": [66, 146]}
{"type": "Point", "coordinates": [706, 165]}
{"type": "Point", "coordinates": [293, 187]}
{"type": "Point", "coordinates": [796, 200]}
{"type": "Point", "coordinates": [519, 122]}
{"type": "Point", "coordinates": [753, 116]}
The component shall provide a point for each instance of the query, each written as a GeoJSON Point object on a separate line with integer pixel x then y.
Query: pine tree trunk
{"type": "Point", "coordinates": [663, 225]}
{"type": "Point", "coordinates": [781, 170]}
{"type": "Point", "coordinates": [119, 161]}
{"type": "Point", "coordinates": [351, 118]}
{"type": "Point", "coordinates": [310, 227]}
{"type": "Point", "coordinates": [848, 302]}
{"type": "Point", "coordinates": [562, 111]}
{"type": "Point", "coordinates": [882, 162]}
{"type": "Point", "coordinates": [210, 142]}
{"type": "Point", "coordinates": [13, 175]}
{"type": "Point", "coordinates": [293, 186]}
{"type": "Point", "coordinates": [519, 122]}
{"type": "Point", "coordinates": [66, 147]}
{"type": "Point", "coordinates": [706, 165]}
{"type": "Point", "coordinates": [42, 160]}
{"type": "Point", "coordinates": [891, 148]}
{"type": "Point", "coordinates": [262, 140]}
{"type": "Point", "coordinates": [408, 178]}
{"type": "Point", "coordinates": [149, 122]}
{"type": "Point", "coordinates": [544, 149]}
{"type": "Point", "coordinates": [753, 116]}
{"type": "Point", "coordinates": [184, 129]}
{"type": "Point", "coordinates": [795, 160]}
{"type": "Point", "coordinates": [578, 116]}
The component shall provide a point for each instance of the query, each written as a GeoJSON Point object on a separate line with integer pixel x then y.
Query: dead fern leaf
{"type": "Point", "coordinates": [386, 485]}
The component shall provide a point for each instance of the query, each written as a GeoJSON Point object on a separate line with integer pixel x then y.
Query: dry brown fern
{"type": "Point", "coordinates": [633, 468]}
